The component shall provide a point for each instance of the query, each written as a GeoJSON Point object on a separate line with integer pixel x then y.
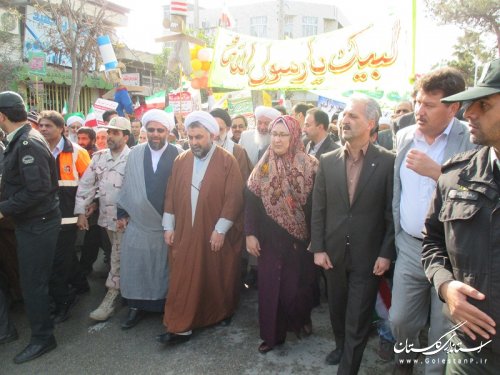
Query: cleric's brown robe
{"type": "Point", "coordinates": [204, 285]}
{"type": "Point", "coordinates": [243, 161]}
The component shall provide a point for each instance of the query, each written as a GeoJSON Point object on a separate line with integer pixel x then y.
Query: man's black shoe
{"type": "Point", "coordinates": [80, 289]}
{"type": "Point", "coordinates": [62, 311]}
{"type": "Point", "coordinates": [33, 351]}
{"type": "Point", "coordinates": [172, 338]}
{"type": "Point", "coordinates": [334, 357]}
{"type": "Point", "coordinates": [10, 336]}
{"type": "Point", "coordinates": [134, 316]}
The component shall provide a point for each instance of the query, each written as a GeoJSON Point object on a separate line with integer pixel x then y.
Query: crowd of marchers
{"type": "Point", "coordinates": [395, 216]}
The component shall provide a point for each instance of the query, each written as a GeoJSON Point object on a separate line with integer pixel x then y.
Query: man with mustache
{"type": "Point", "coordinates": [104, 179]}
{"type": "Point", "coordinates": [203, 223]}
{"type": "Point", "coordinates": [421, 150]}
{"type": "Point", "coordinates": [144, 272]}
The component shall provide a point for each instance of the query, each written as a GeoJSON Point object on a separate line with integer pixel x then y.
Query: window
{"type": "Point", "coordinates": [288, 27]}
{"type": "Point", "coordinates": [309, 26]}
{"type": "Point", "coordinates": [258, 26]}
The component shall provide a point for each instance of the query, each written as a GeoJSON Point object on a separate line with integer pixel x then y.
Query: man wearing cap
{"type": "Point", "coordinates": [144, 277]}
{"type": "Point", "coordinates": [71, 162]}
{"type": "Point", "coordinates": [103, 179]}
{"type": "Point", "coordinates": [255, 141]}
{"type": "Point", "coordinates": [421, 150]}
{"type": "Point", "coordinates": [28, 194]}
{"type": "Point", "coordinates": [203, 223]}
{"type": "Point", "coordinates": [461, 247]}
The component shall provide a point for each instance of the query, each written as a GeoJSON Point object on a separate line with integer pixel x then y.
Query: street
{"type": "Point", "coordinates": [104, 348]}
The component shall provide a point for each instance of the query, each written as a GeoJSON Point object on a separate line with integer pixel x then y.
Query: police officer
{"type": "Point", "coordinates": [28, 194]}
{"type": "Point", "coordinates": [461, 247]}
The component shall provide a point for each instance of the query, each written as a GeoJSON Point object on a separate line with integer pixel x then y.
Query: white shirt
{"type": "Point", "coordinates": [315, 149]}
{"type": "Point", "coordinates": [58, 149]}
{"type": "Point", "coordinates": [417, 190]}
{"type": "Point", "coordinates": [156, 155]}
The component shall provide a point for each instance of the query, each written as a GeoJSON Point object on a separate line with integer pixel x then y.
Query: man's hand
{"type": "Point", "coordinates": [82, 223]}
{"type": "Point", "coordinates": [217, 240]}
{"type": "Point", "coordinates": [323, 260]}
{"type": "Point", "coordinates": [121, 224]}
{"type": "Point", "coordinates": [381, 266]}
{"type": "Point", "coordinates": [455, 294]}
{"type": "Point", "coordinates": [90, 209]}
{"type": "Point", "coordinates": [253, 246]}
{"type": "Point", "coordinates": [168, 235]}
{"type": "Point", "coordinates": [422, 164]}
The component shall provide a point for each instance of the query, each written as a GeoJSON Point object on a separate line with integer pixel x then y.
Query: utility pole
{"type": "Point", "coordinates": [281, 19]}
{"type": "Point", "coordinates": [196, 15]}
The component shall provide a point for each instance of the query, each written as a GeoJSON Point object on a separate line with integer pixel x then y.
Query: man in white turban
{"type": "Point", "coordinates": [74, 123]}
{"type": "Point", "coordinates": [255, 141]}
{"type": "Point", "coordinates": [143, 273]}
{"type": "Point", "coordinates": [203, 223]}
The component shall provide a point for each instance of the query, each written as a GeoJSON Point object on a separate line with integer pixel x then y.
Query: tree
{"type": "Point", "coordinates": [169, 79]}
{"type": "Point", "coordinates": [10, 60]}
{"type": "Point", "coordinates": [469, 52]}
{"type": "Point", "coordinates": [482, 16]}
{"type": "Point", "coordinates": [77, 23]}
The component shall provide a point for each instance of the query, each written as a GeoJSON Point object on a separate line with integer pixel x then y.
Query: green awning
{"type": "Point", "coordinates": [62, 77]}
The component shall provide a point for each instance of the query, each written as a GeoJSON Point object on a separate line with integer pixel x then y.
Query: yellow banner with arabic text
{"type": "Point", "coordinates": [355, 57]}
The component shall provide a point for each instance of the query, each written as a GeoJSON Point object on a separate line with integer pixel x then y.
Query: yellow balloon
{"type": "Point", "coordinates": [196, 64]}
{"type": "Point", "coordinates": [205, 65]}
{"type": "Point", "coordinates": [193, 53]}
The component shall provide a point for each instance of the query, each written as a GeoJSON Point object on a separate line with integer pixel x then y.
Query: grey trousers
{"type": "Point", "coordinates": [414, 301]}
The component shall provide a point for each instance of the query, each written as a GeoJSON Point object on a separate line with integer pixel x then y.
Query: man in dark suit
{"type": "Point", "coordinates": [316, 128]}
{"type": "Point", "coordinates": [352, 229]}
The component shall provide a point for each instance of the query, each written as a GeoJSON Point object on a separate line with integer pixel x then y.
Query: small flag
{"type": "Point", "coordinates": [156, 100]}
{"type": "Point", "coordinates": [65, 109]}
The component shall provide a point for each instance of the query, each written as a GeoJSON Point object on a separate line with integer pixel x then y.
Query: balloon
{"type": "Point", "coordinates": [205, 65]}
{"type": "Point", "coordinates": [205, 54]}
{"type": "Point", "coordinates": [196, 64]}
{"type": "Point", "coordinates": [193, 53]}
{"type": "Point", "coordinates": [195, 83]}
{"type": "Point", "coordinates": [198, 73]}
{"type": "Point", "coordinates": [203, 82]}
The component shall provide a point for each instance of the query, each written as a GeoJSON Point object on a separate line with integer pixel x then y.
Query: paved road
{"type": "Point", "coordinates": [87, 348]}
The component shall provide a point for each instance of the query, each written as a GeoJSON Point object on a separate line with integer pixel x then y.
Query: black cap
{"type": "Point", "coordinates": [488, 84]}
{"type": "Point", "coordinates": [9, 99]}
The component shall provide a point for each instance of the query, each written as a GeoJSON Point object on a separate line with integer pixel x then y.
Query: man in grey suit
{"type": "Point", "coordinates": [352, 233]}
{"type": "Point", "coordinates": [316, 128]}
{"type": "Point", "coordinates": [421, 150]}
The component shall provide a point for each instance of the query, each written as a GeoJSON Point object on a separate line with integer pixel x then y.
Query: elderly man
{"type": "Point", "coordinates": [352, 229]}
{"type": "Point", "coordinates": [224, 121]}
{"type": "Point", "coordinates": [74, 122]}
{"type": "Point", "coordinates": [144, 278]}
{"type": "Point", "coordinates": [203, 223]}
{"type": "Point", "coordinates": [421, 150]}
{"type": "Point", "coordinates": [461, 251]}
{"type": "Point", "coordinates": [256, 141]}
{"type": "Point", "coordinates": [103, 179]}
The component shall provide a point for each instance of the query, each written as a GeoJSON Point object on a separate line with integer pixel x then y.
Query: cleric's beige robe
{"type": "Point", "coordinates": [204, 285]}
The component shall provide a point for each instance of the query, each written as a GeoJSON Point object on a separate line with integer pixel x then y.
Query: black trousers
{"type": "Point", "coordinates": [352, 293]}
{"type": "Point", "coordinates": [64, 258]}
{"type": "Point", "coordinates": [36, 244]}
{"type": "Point", "coordinates": [4, 314]}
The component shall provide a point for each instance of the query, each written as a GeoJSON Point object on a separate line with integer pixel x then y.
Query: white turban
{"type": "Point", "coordinates": [164, 118]}
{"type": "Point", "coordinates": [269, 112]}
{"type": "Point", "coordinates": [73, 119]}
{"type": "Point", "coordinates": [204, 118]}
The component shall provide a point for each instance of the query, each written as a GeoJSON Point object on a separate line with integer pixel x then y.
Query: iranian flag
{"type": "Point", "coordinates": [156, 100]}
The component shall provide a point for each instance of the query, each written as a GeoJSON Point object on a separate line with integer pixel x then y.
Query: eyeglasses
{"type": "Point", "coordinates": [280, 135]}
{"type": "Point", "coordinates": [159, 130]}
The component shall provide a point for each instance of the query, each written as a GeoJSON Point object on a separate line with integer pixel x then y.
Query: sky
{"type": "Point", "coordinates": [434, 43]}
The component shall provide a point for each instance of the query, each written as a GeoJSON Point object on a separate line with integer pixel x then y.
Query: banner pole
{"type": "Point", "coordinates": [413, 37]}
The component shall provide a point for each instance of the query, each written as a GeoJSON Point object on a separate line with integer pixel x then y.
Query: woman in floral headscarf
{"type": "Point", "coordinates": [277, 222]}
